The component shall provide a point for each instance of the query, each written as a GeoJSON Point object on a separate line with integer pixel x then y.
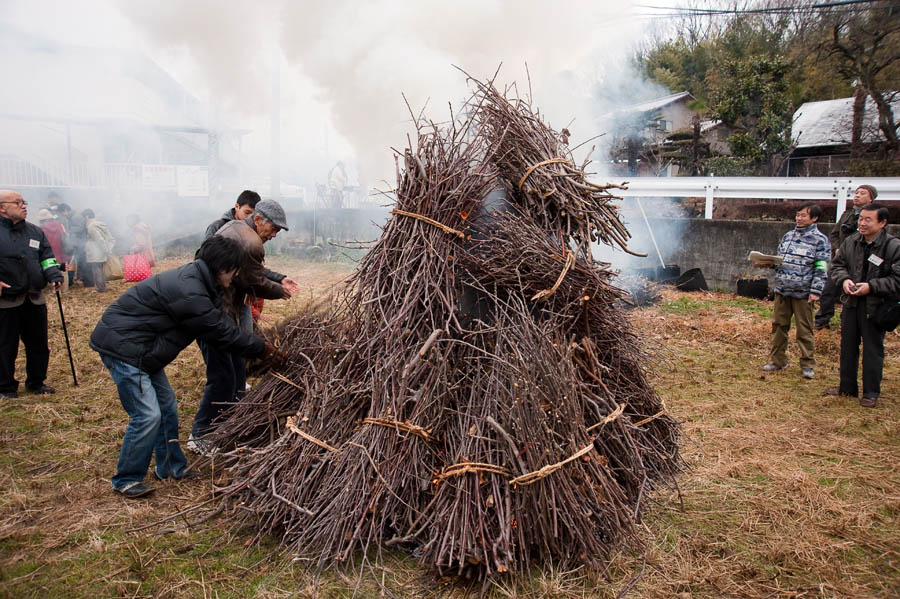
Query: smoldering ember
{"type": "Point", "coordinates": [476, 396]}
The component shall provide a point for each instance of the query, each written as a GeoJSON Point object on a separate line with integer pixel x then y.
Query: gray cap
{"type": "Point", "coordinates": [273, 212]}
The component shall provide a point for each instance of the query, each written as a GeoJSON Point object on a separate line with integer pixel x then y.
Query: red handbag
{"type": "Point", "coordinates": [136, 267]}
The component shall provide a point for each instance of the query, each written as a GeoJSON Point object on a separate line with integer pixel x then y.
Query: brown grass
{"type": "Point", "coordinates": [790, 494]}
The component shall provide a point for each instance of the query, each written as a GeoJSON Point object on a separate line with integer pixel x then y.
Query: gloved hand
{"type": "Point", "coordinates": [272, 356]}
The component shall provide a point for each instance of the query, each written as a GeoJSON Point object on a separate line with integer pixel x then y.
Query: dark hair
{"type": "Point", "coordinates": [221, 254]}
{"type": "Point", "coordinates": [815, 211]}
{"type": "Point", "coordinates": [62, 207]}
{"type": "Point", "coordinates": [882, 211]}
{"type": "Point", "coordinates": [873, 193]}
{"type": "Point", "coordinates": [248, 197]}
{"type": "Point", "coordinates": [87, 213]}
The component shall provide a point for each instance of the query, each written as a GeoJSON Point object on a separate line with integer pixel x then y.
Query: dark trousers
{"type": "Point", "coordinates": [27, 322]}
{"type": "Point", "coordinates": [97, 275]}
{"type": "Point", "coordinates": [84, 271]}
{"type": "Point", "coordinates": [855, 326]}
{"type": "Point", "coordinates": [826, 302]}
{"type": "Point", "coordinates": [226, 379]}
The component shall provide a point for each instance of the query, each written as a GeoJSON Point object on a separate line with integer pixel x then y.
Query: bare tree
{"type": "Point", "coordinates": [867, 45]}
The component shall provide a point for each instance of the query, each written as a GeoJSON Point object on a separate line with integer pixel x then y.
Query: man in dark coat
{"type": "Point", "coordinates": [243, 208]}
{"type": "Point", "coordinates": [845, 227]}
{"type": "Point", "coordinates": [27, 265]}
{"type": "Point", "coordinates": [867, 270]}
{"type": "Point", "coordinates": [143, 331]}
{"type": "Point", "coordinates": [225, 373]}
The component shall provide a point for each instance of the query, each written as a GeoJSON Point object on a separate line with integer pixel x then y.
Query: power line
{"type": "Point", "coordinates": [689, 11]}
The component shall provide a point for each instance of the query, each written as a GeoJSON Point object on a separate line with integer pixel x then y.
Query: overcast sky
{"type": "Point", "coordinates": [344, 63]}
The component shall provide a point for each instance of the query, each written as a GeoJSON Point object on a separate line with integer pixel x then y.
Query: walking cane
{"type": "Point", "coordinates": [66, 334]}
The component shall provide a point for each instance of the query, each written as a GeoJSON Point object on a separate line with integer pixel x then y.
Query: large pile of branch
{"type": "Point", "coordinates": [477, 396]}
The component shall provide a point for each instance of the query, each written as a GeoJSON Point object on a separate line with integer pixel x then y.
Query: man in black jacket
{"type": "Point", "coordinates": [27, 264]}
{"type": "Point", "coordinates": [845, 227]}
{"type": "Point", "coordinates": [867, 270]}
{"type": "Point", "coordinates": [143, 331]}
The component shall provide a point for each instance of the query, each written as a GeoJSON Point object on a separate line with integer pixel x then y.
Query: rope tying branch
{"type": "Point", "coordinates": [664, 410]}
{"type": "Point", "coordinates": [612, 416]}
{"type": "Point", "coordinates": [570, 262]}
{"type": "Point", "coordinates": [430, 221]}
{"type": "Point", "coordinates": [398, 425]}
{"type": "Point", "coordinates": [540, 164]}
{"type": "Point", "coordinates": [466, 467]}
{"type": "Point", "coordinates": [533, 477]}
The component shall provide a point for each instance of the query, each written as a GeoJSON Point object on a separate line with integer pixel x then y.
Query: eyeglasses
{"type": "Point", "coordinates": [16, 202]}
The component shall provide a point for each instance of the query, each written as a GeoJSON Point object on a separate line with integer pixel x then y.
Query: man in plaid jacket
{"type": "Point", "coordinates": [799, 281]}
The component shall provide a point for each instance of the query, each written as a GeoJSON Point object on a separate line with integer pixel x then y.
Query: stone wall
{"type": "Point", "coordinates": [718, 247]}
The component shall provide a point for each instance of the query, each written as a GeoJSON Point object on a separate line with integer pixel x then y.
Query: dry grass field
{"type": "Point", "coordinates": [788, 494]}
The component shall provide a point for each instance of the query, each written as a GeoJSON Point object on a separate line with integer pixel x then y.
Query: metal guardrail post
{"type": "Point", "coordinates": [841, 193]}
{"type": "Point", "coordinates": [708, 210]}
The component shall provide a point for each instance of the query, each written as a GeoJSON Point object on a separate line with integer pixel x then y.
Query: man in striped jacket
{"type": "Point", "coordinates": [799, 281]}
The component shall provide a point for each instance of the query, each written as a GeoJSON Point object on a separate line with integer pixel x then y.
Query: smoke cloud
{"type": "Point", "coordinates": [344, 67]}
{"type": "Point", "coordinates": [357, 59]}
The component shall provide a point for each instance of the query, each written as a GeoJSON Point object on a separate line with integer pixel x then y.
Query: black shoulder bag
{"type": "Point", "coordinates": [886, 316]}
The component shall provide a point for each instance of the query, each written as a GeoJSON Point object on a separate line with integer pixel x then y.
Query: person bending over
{"type": "Point", "coordinates": [143, 331]}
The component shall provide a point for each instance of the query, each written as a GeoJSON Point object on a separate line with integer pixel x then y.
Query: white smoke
{"type": "Point", "coordinates": [358, 58]}
{"type": "Point", "coordinates": [345, 68]}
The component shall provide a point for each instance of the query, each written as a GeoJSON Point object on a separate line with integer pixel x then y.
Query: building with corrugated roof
{"type": "Point", "coordinates": [822, 132]}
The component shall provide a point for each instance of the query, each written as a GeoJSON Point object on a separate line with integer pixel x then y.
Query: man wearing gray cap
{"type": "Point", "coordinates": [225, 374]}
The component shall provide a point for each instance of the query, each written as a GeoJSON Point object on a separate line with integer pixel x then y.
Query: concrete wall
{"type": "Point", "coordinates": [718, 247]}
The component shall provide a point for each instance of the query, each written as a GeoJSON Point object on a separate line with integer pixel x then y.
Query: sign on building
{"type": "Point", "coordinates": [158, 177]}
{"type": "Point", "coordinates": [193, 181]}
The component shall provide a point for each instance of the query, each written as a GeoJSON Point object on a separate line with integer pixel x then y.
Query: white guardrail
{"type": "Point", "coordinates": [779, 188]}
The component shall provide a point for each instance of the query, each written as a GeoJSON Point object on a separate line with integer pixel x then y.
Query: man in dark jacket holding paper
{"type": "Point", "coordinates": [143, 331]}
{"type": "Point", "coordinates": [867, 271]}
{"type": "Point", "coordinates": [27, 264]}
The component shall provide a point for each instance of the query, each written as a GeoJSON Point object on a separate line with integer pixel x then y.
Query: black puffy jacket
{"type": "Point", "coordinates": [152, 322]}
{"type": "Point", "coordinates": [26, 259]}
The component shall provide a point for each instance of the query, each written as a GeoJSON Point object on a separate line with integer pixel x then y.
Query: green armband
{"type": "Point", "coordinates": [820, 265]}
{"type": "Point", "coordinates": [49, 263]}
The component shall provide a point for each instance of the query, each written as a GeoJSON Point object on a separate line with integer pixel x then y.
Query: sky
{"type": "Point", "coordinates": [347, 69]}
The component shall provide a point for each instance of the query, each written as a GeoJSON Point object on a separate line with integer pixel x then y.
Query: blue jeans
{"type": "Point", "coordinates": [153, 428]}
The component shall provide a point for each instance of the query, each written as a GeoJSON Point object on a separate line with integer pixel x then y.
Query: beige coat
{"type": "Point", "coordinates": [100, 242]}
{"type": "Point", "coordinates": [251, 279]}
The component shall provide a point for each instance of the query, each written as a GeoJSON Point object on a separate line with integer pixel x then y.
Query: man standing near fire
{"type": "Point", "coordinates": [845, 227]}
{"type": "Point", "coordinates": [799, 281]}
{"type": "Point", "coordinates": [27, 264]}
{"type": "Point", "coordinates": [243, 208]}
{"type": "Point", "coordinates": [226, 376]}
{"type": "Point", "coordinates": [867, 270]}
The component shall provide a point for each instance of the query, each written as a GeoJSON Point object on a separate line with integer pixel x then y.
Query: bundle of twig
{"type": "Point", "coordinates": [477, 396]}
{"type": "Point", "coordinates": [536, 160]}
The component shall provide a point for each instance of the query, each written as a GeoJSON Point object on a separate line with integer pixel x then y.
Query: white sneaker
{"type": "Point", "coordinates": [808, 373]}
{"type": "Point", "coordinates": [772, 367]}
